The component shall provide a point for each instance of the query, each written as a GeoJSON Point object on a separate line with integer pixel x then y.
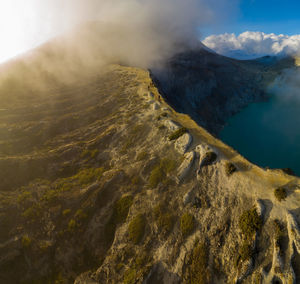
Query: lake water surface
{"type": "Point", "coordinates": [267, 133]}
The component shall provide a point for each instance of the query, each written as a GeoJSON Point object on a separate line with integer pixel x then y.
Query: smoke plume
{"type": "Point", "coordinates": [85, 35]}
{"type": "Point", "coordinates": [286, 87]}
{"type": "Point", "coordinates": [138, 32]}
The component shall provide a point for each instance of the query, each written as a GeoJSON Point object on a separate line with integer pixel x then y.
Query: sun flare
{"type": "Point", "coordinates": [26, 24]}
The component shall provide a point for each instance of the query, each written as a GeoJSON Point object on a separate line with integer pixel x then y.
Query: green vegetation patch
{"type": "Point", "coordinates": [280, 193]}
{"type": "Point", "coordinates": [90, 154]}
{"type": "Point", "coordinates": [32, 213]}
{"type": "Point", "coordinates": [142, 156]}
{"type": "Point", "coordinates": [24, 196]}
{"type": "Point", "coordinates": [26, 241]}
{"type": "Point", "coordinates": [136, 228]}
{"type": "Point", "coordinates": [159, 173]}
{"type": "Point", "coordinates": [230, 168]}
{"type": "Point", "coordinates": [198, 272]}
{"type": "Point", "coordinates": [250, 222]}
{"type": "Point", "coordinates": [89, 175]}
{"type": "Point", "coordinates": [66, 212]}
{"type": "Point", "coordinates": [72, 225]}
{"type": "Point", "coordinates": [121, 209]}
{"type": "Point", "coordinates": [120, 213]}
{"type": "Point", "coordinates": [187, 224]}
{"type": "Point", "coordinates": [175, 135]}
{"type": "Point", "coordinates": [80, 215]}
{"type": "Point", "coordinates": [245, 251]}
{"type": "Point", "coordinates": [164, 219]}
{"type": "Point", "coordinates": [82, 178]}
{"type": "Point", "coordinates": [130, 276]}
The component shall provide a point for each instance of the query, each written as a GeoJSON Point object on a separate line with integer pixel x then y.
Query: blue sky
{"type": "Point", "coordinates": [269, 16]}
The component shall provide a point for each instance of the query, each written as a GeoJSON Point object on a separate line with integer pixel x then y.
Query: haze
{"type": "Point", "coordinates": [146, 28]}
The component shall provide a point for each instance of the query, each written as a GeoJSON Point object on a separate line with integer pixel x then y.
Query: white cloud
{"type": "Point", "coordinates": [253, 44]}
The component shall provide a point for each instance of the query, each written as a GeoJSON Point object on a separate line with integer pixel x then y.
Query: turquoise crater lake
{"type": "Point", "coordinates": [267, 133]}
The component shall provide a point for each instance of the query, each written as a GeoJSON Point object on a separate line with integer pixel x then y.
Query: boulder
{"type": "Point", "coordinates": [260, 208]}
{"type": "Point", "coordinates": [171, 125]}
{"type": "Point", "coordinates": [183, 142]}
{"type": "Point", "coordinates": [187, 198]}
{"type": "Point", "coordinates": [185, 166]}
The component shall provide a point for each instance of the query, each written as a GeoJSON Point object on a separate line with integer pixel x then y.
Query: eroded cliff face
{"type": "Point", "coordinates": [211, 88]}
{"type": "Point", "coordinates": [127, 190]}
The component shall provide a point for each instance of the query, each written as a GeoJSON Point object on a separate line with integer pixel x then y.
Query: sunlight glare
{"type": "Point", "coordinates": [26, 24]}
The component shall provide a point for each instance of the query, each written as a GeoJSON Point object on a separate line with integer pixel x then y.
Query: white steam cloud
{"type": "Point", "coordinates": [138, 31]}
{"type": "Point", "coordinates": [253, 44]}
{"type": "Point", "coordinates": [286, 87]}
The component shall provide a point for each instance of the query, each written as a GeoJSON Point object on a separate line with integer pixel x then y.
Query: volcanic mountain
{"type": "Point", "coordinates": [109, 174]}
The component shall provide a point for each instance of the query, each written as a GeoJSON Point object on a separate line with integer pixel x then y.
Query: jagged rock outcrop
{"type": "Point", "coordinates": [183, 143]}
{"type": "Point", "coordinates": [171, 125]}
{"type": "Point", "coordinates": [186, 165]}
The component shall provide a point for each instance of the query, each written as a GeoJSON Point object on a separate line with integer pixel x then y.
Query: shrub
{"type": "Point", "coordinates": [197, 270]}
{"type": "Point", "coordinates": [26, 241]}
{"type": "Point", "coordinates": [90, 154]}
{"type": "Point", "coordinates": [142, 259]}
{"type": "Point", "coordinates": [87, 176]}
{"type": "Point", "coordinates": [142, 156]}
{"type": "Point", "coordinates": [136, 228]}
{"type": "Point", "coordinates": [209, 158]}
{"type": "Point", "coordinates": [187, 224]}
{"type": "Point", "coordinates": [160, 172]}
{"type": "Point", "coordinates": [63, 187]}
{"type": "Point", "coordinates": [250, 222]}
{"type": "Point", "coordinates": [175, 135]}
{"type": "Point", "coordinates": [230, 169]}
{"type": "Point", "coordinates": [130, 276]}
{"type": "Point", "coordinates": [72, 225]}
{"type": "Point", "coordinates": [66, 212]}
{"type": "Point", "coordinates": [288, 171]}
{"type": "Point", "coordinates": [156, 176]}
{"type": "Point", "coordinates": [135, 180]}
{"type": "Point", "coordinates": [167, 165]}
{"type": "Point", "coordinates": [120, 213]}
{"type": "Point", "coordinates": [51, 196]}
{"type": "Point", "coordinates": [164, 220]}
{"type": "Point", "coordinates": [24, 196]}
{"type": "Point", "coordinates": [80, 214]}
{"type": "Point", "coordinates": [280, 193]}
{"type": "Point", "coordinates": [32, 212]}
{"type": "Point", "coordinates": [245, 251]}
{"type": "Point", "coordinates": [94, 153]}
{"type": "Point", "coordinates": [84, 153]}
{"type": "Point", "coordinates": [121, 209]}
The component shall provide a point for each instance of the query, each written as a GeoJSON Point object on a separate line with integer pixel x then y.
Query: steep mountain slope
{"type": "Point", "coordinates": [211, 88]}
{"type": "Point", "coordinates": [98, 185]}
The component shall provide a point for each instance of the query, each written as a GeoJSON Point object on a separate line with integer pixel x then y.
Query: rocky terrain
{"type": "Point", "coordinates": [211, 88]}
{"type": "Point", "coordinates": [102, 181]}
